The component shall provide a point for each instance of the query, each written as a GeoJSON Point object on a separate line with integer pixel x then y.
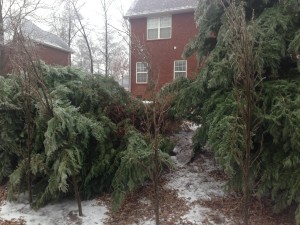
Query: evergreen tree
{"type": "Point", "coordinates": [210, 99]}
{"type": "Point", "coordinates": [83, 147]}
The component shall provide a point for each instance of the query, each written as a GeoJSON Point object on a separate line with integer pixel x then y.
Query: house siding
{"type": "Point", "coordinates": [53, 56]}
{"type": "Point", "coordinates": [163, 52]}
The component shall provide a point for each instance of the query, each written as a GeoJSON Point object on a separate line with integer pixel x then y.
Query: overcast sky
{"type": "Point", "coordinates": [92, 14]}
{"type": "Point", "coordinates": [92, 10]}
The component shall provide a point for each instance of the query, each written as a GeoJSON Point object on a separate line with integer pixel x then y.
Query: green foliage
{"type": "Point", "coordinates": [166, 145]}
{"type": "Point", "coordinates": [10, 125]}
{"type": "Point", "coordinates": [84, 136]}
{"type": "Point", "coordinates": [280, 170]}
{"type": "Point", "coordinates": [209, 100]}
{"type": "Point", "coordinates": [136, 166]}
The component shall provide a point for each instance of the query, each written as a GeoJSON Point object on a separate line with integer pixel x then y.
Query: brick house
{"type": "Point", "coordinates": [160, 30]}
{"type": "Point", "coordinates": [48, 47]}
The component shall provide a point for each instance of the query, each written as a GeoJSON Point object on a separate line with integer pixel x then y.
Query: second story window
{"type": "Point", "coordinates": [159, 27]}
{"type": "Point", "coordinates": [179, 68]}
{"type": "Point", "coordinates": [141, 73]}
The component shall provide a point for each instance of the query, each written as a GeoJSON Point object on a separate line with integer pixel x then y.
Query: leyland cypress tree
{"type": "Point", "coordinates": [212, 98]}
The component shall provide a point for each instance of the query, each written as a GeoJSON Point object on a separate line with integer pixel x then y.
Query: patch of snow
{"type": "Point", "coordinates": [197, 214]}
{"type": "Point", "coordinates": [202, 215]}
{"type": "Point", "coordinates": [145, 201]}
{"type": "Point", "coordinates": [148, 222]}
{"type": "Point", "coordinates": [194, 127]}
{"type": "Point", "coordinates": [147, 102]}
{"type": "Point", "coordinates": [63, 213]}
{"type": "Point", "coordinates": [194, 184]}
{"type": "Point", "coordinates": [183, 149]}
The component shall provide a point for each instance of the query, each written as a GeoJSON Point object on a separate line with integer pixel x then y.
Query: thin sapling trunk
{"type": "Point", "coordinates": [77, 194]}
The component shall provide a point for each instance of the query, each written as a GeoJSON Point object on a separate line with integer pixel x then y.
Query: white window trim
{"type": "Point", "coordinates": [136, 74]}
{"type": "Point", "coordinates": [179, 71]}
{"type": "Point", "coordinates": [158, 31]}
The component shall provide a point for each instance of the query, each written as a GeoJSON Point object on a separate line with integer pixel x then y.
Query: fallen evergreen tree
{"type": "Point", "coordinates": [79, 144]}
{"type": "Point", "coordinates": [211, 98]}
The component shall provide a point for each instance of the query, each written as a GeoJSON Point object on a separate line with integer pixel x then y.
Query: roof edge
{"type": "Point", "coordinates": [52, 46]}
{"type": "Point", "coordinates": [174, 11]}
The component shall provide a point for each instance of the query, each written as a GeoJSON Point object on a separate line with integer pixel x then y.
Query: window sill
{"type": "Point", "coordinates": [159, 39]}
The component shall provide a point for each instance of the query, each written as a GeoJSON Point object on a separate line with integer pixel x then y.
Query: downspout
{"type": "Point", "coordinates": [129, 81]}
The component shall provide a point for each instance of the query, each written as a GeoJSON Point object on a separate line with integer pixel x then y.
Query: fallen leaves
{"type": "Point", "coordinates": [13, 222]}
{"type": "Point", "coordinates": [3, 194]}
{"type": "Point", "coordinates": [138, 207]}
{"type": "Point", "coordinates": [260, 211]}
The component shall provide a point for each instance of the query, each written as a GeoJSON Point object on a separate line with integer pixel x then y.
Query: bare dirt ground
{"type": "Point", "coordinates": [191, 194]}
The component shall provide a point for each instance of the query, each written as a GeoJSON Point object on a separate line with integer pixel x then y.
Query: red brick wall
{"type": "Point", "coordinates": [162, 53]}
{"type": "Point", "coordinates": [53, 56]}
{"type": "Point", "coordinates": [50, 56]}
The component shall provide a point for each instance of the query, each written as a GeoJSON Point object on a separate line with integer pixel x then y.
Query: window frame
{"type": "Point", "coordinates": [136, 73]}
{"type": "Point", "coordinates": [159, 27]}
{"type": "Point", "coordinates": [174, 73]}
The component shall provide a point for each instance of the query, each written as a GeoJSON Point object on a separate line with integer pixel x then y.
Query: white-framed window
{"type": "Point", "coordinates": [180, 68]}
{"type": "Point", "coordinates": [159, 27]}
{"type": "Point", "coordinates": [141, 73]}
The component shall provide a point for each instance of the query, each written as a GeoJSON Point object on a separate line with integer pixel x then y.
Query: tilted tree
{"type": "Point", "coordinates": [213, 101]}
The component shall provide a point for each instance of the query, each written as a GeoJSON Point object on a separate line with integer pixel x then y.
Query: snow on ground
{"type": "Point", "coordinates": [194, 183]}
{"type": "Point", "coordinates": [64, 213]}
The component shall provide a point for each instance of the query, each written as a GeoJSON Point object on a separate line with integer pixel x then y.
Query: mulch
{"type": "Point", "coordinates": [138, 207]}
{"type": "Point", "coordinates": [261, 211]}
{"type": "Point", "coordinates": [3, 194]}
{"type": "Point", "coordinates": [13, 222]}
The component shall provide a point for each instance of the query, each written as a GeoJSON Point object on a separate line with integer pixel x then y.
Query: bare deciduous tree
{"type": "Point", "coordinates": [105, 5]}
{"type": "Point", "coordinates": [83, 32]}
{"type": "Point", "coordinates": [1, 37]}
{"type": "Point", "coordinates": [24, 61]}
{"type": "Point", "coordinates": [247, 76]}
{"type": "Point", "coordinates": [11, 11]}
{"type": "Point", "coordinates": [155, 110]}
{"type": "Point", "coordinates": [63, 22]}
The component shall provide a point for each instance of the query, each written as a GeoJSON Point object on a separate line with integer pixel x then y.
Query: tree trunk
{"type": "Point", "coordinates": [156, 166]}
{"type": "Point", "coordinates": [106, 43]}
{"type": "Point", "coordinates": [28, 124]}
{"type": "Point", "coordinates": [82, 31]}
{"type": "Point", "coordinates": [1, 40]}
{"type": "Point", "coordinates": [155, 182]}
{"type": "Point", "coordinates": [30, 187]}
{"type": "Point", "coordinates": [77, 194]}
{"type": "Point", "coordinates": [249, 95]}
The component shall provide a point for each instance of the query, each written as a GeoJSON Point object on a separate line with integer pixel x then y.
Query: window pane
{"type": "Point", "coordinates": [165, 21]}
{"type": "Point", "coordinates": [142, 77]}
{"type": "Point", "coordinates": [141, 67]}
{"type": "Point", "coordinates": [152, 34]}
{"type": "Point", "coordinates": [180, 66]}
{"type": "Point", "coordinates": [141, 72]}
{"type": "Point", "coordinates": [165, 32]}
{"type": "Point", "coordinates": [152, 23]}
